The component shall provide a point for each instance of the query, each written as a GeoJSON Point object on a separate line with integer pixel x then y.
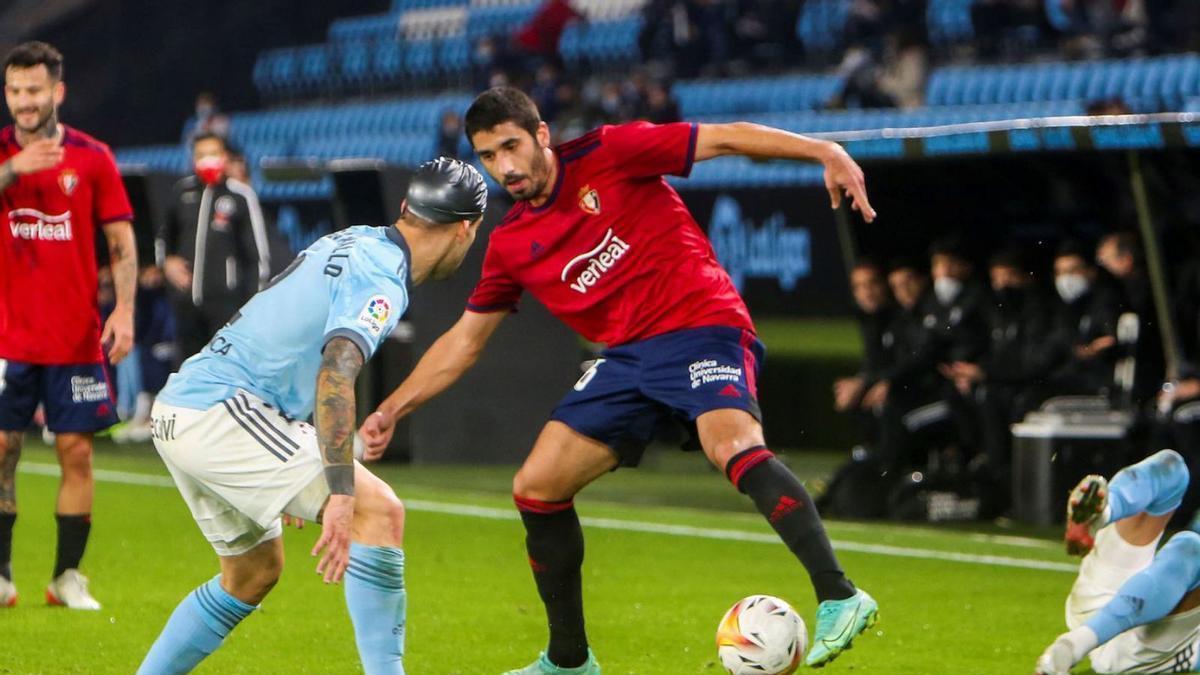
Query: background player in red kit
{"type": "Point", "coordinates": [58, 185]}
{"type": "Point", "coordinates": [600, 238]}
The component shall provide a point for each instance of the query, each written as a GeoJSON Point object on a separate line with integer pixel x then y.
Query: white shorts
{"type": "Point", "coordinates": [239, 465]}
{"type": "Point", "coordinates": [1168, 645]}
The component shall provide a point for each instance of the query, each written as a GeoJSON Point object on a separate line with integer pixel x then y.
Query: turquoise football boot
{"type": "Point", "coordinates": [543, 667]}
{"type": "Point", "coordinates": [838, 623]}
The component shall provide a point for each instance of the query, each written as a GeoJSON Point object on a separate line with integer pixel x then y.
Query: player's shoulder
{"type": "Point", "coordinates": [583, 146]}
{"type": "Point", "coordinates": [75, 138]}
{"type": "Point", "coordinates": [375, 248]}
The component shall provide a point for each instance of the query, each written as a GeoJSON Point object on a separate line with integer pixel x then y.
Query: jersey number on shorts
{"type": "Point", "coordinates": [587, 376]}
{"type": "Point", "coordinates": [3, 367]}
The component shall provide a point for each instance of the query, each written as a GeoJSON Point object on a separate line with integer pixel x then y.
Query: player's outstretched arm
{"type": "Point", "coordinates": [842, 174]}
{"type": "Point", "coordinates": [334, 419]}
{"type": "Point", "coordinates": [446, 360]}
{"type": "Point", "coordinates": [122, 256]}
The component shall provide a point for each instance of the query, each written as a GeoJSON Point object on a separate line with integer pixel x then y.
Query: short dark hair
{"type": "Point", "coordinates": [1009, 256]}
{"type": "Point", "coordinates": [867, 263]}
{"type": "Point", "coordinates": [31, 54]}
{"type": "Point", "coordinates": [1073, 248]}
{"type": "Point", "coordinates": [499, 105]}
{"type": "Point", "coordinates": [951, 246]}
{"type": "Point", "coordinates": [1127, 243]}
{"type": "Point", "coordinates": [210, 136]}
{"type": "Point", "coordinates": [904, 263]}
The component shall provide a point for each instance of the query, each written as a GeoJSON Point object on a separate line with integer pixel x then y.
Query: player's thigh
{"type": "Point", "coordinates": [78, 398]}
{"type": "Point", "coordinates": [710, 377]}
{"type": "Point", "coordinates": [249, 576]}
{"type": "Point", "coordinates": [561, 463]}
{"type": "Point", "coordinates": [726, 432]}
{"type": "Point", "coordinates": [238, 464]}
{"type": "Point", "coordinates": [20, 393]}
{"type": "Point", "coordinates": [606, 407]}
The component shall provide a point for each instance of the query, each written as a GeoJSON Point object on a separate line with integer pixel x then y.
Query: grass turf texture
{"type": "Point", "coordinates": [653, 599]}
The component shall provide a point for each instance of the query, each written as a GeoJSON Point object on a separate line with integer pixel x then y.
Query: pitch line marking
{"type": "Point", "coordinates": [490, 513]}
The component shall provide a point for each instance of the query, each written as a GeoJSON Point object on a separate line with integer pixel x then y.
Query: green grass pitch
{"type": "Point", "coordinates": [658, 577]}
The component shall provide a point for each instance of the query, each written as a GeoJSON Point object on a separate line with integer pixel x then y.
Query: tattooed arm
{"type": "Point", "coordinates": [334, 418]}
{"type": "Point", "coordinates": [122, 255]}
{"type": "Point", "coordinates": [334, 414]}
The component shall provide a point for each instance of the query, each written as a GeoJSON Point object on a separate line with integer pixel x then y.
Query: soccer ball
{"type": "Point", "coordinates": [761, 635]}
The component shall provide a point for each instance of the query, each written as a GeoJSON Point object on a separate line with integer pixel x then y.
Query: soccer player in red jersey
{"type": "Point", "coordinates": [600, 238]}
{"type": "Point", "coordinates": [57, 185]}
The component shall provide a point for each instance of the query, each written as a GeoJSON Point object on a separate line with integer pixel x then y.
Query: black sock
{"type": "Point", "coordinates": [783, 500]}
{"type": "Point", "coordinates": [6, 528]}
{"type": "Point", "coordinates": [554, 541]}
{"type": "Point", "coordinates": [72, 539]}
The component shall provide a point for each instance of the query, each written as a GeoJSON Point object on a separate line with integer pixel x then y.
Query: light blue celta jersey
{"type": "Point", "coordinates": [351, 284]}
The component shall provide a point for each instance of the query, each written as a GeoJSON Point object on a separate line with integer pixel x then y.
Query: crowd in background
{"type": "Point", "coordinates": [953, 358]}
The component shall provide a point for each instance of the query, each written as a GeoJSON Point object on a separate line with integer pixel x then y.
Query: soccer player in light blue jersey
{"type": "Point", "coordinates": [230, 425]}
{"type": "Point", "coordinates": [1135, 607]}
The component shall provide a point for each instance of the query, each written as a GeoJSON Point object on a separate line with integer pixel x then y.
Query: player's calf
{"type": "Point", "coordinates": [375, 591]}
{"type": "Point", "coordinates": [1154, 486]}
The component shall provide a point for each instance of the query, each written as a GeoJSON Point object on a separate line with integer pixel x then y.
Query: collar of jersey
{"type": "Point", "coordinates": [394, 234]}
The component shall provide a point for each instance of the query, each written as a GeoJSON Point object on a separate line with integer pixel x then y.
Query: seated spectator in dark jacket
{"type": "Point", "coordinates": [1018, 321]}
{"type": "Point", "coordinates": [876, 313]}
{"type": "Point", "coordinates": [908, 391]}
{"type": "Point", "coordinates": [1080, 351]}
{"type": "Point", "coordinates": [1120, 253]}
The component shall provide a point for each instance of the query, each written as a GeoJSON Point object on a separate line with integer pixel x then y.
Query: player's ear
{"type": "Point", "coordinates": [543, 134]}
{"type": "Point", "coordinates": [60, 92]}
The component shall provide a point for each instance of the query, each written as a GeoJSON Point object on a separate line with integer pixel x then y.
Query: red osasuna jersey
{"type": "Point", "coordinates": [613, 253]}
{"type": "Point", "coordinates": [48, 312]}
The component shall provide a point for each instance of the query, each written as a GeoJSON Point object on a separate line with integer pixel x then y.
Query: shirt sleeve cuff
{"type": "Point", "coordinates": [353, 336]}
{"type": "Point", "coordinates": [489, 309]}
{"type": "Point", "coordinates": [691, 151]}
{"type": "Point", "coordinates": [115, 219]}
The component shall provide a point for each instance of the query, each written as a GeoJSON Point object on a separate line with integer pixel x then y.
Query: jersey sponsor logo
{"type": "Point", "coordinates": [68, 180]}
{"type": "Point", "coordinates": [589, 200]}
{"type": "Point", "coordinates": [375, 314]}
{"type": "Point", "coordinates": [708, 371]}
{"type": "Point", "coordinates": [34, 225]}
{"type": "Point", "coordinates": [596, 262]}
{"type": "Point", "coordinates": [87, 389]}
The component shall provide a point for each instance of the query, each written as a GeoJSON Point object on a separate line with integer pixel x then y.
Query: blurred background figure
{"type": "Point", "coordinates": [213, 246]}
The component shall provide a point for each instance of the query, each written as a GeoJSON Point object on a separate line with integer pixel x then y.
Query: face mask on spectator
{"type": "Point", "coordinates": [947, 289]}
{"type": "Point", "coordinates": [1071, 287]}
{"type": "Point", "coordinates": [210, 169]}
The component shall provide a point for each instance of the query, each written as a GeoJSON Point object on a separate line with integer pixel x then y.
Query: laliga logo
{"type": "Point", "coordinates": [599, 260]}
{"type": "Point", "coordinates": [773, 251]}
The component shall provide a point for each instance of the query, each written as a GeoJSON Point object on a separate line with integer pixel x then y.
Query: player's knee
{"type": "Point", "coordinates": [75, 458]}
{"type": "Point", "coordinates": [1185, 544]}
{"type": "Point", "coordinates": [10, 446]}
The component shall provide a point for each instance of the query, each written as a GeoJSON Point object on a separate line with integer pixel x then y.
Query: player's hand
{"type": "Point", "coordinates": [293, 521]}
{"type": "Point", "coordinates": [1095, 347]}
{"type": "Point", "coordinates": [176, 270]}
{"type": "Point", "coordinates": [845, 391]}
{"type": "Point", "coordinates": [376, 432]}
{"type": "Point", "coordinates": [335, 538]}
{"type": "Point", "coordinates": [118, 334]}
{"type": "Point", "coordinates": [843, 175]}
{"type": "Point", "coordinates": [42, 154]}
{"type": "Point", "coordinates": [877, 395]}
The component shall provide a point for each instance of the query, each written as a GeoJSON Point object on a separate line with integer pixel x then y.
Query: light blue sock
{"type": "Point", "coordinates": [376, 599]}
{"type": "Point", "coordinates": [1154, 485]}
{"type": "Point", "coordinates": [196, 628]}
{"type": "Point", "coordinates": [1152, 593]}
